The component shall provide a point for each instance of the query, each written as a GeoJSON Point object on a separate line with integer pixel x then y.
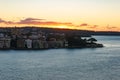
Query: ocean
{"type": "Point", "coordinates": [64, 64]}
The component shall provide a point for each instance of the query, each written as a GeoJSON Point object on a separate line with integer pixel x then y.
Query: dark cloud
{"type": "Point", "coordinates": [110, 27]}
{"type": "Point", "coordinates": [84, 24]}
{"type": "Point", "coordinates": [113, 27]}
{"type": "Point", "coordinates": [94, 26]}
{"type": "Point", "coordinates": [30, 21]}
{"type": "Point", "coordinates": [2, 21]}
{"type": "Point", "coordinates": [6, 22]}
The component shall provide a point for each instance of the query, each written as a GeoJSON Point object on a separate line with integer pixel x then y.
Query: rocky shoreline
{"type": "Point", "coordinates": [95, 45]}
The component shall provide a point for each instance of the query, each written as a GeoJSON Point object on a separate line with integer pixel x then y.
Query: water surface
{"type": "Point", "coordinates": [64, 64]}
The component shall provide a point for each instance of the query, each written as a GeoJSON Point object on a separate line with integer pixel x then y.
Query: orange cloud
{"type": "Point", "coordinates": [54, 24]}
{"type": "Point", "coordinates": [35, 21]}
{"type": "Point", "coordinates": [39, 22]}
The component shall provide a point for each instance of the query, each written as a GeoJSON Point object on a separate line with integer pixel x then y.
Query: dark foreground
{"type": "Point", "coordinates": [95, 45]}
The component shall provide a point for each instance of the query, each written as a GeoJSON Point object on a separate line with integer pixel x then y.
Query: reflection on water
{"type": "Point", "coordinates": [63, 64]}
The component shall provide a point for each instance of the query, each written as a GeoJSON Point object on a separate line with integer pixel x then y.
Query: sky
{"type": "Point", "coordinates": [98, 15]}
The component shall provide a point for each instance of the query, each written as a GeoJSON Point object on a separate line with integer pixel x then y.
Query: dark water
{"type": "Point", "coordinates": [64, 64]}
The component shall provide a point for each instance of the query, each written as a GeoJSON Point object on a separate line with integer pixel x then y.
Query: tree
{"type": "Point", "coordinates": [92, 40]}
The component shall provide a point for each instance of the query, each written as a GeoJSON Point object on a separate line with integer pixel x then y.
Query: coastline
{"type": "Point", "coordinates": [39, 39]}
{"type": "Point", "coordinates": [95, 45]}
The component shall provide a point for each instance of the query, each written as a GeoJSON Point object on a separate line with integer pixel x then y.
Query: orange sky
{"type": "Point", "coordinates": [98, 15]}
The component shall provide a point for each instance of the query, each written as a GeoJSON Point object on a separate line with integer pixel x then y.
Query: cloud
{"type": "Point", "coordinates": [34, 21]}
{"type": "Point", "coordinates": [30, 21]}
{"type": "Point", "coordinates": [94, 26]}
{"type": "Point", "coordinates": [55, 23]}
{"type": "Point", "coordinates": [37, 22]}
{"type": "Point", "coordinates": [2, 21]}
{"type": "Point", "coordinates": [6, 22]}
{"type": "Point", "coordinates": [110, 27]}
{"type": "Point", "coordinates": [84, 24]}
{"type": "Point", "coordinates": [45, 23]}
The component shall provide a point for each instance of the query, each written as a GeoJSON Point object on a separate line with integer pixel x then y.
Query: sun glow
{"type": "Point", "coordinates": [62, 27]}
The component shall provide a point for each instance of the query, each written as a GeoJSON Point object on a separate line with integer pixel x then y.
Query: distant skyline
{"type": "Point", "coordinates": [98, 15]}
